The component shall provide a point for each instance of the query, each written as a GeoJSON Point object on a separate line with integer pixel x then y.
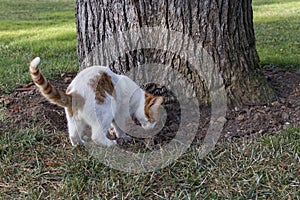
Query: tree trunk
{"type": "Point", "coordinates": [223, 28]}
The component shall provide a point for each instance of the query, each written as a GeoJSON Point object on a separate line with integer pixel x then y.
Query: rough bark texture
{"type": "Point", "coordinates": [223, 28]}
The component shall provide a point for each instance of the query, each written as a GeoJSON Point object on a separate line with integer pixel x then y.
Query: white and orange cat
{"type": "Point", "coordinates": [99, 98]}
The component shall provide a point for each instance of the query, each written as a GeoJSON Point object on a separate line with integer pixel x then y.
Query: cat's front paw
{"type": "Point", "coordinates": [124, 139]}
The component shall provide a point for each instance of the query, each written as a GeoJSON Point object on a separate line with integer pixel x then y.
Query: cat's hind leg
{"type": "Point", "coordinates": [76, 130]}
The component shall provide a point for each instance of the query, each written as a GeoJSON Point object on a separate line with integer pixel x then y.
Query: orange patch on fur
{"type": "Point", "coordinates": [47, 89]}
{"type": "Point", "coordinates": [149, 98]}
{"type": "Point", "coordinates": [151, 108]}
{"type": "Point", "coordinates": [77, 104]}
{"type": "Point", "coordinates": [53, 94]}
{"type": "Point", "coordinates": [40, 81]}
{"type": "Point", "coordinates": [101, 84]}
{"type": "Point", "coordinates": [35, 73]}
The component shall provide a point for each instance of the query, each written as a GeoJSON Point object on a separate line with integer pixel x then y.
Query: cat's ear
{"type": "Point", "coordinates": [156, 102]}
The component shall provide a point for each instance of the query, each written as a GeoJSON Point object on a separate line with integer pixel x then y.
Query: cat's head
{"type": "Point", "coordinates": [151, 111]}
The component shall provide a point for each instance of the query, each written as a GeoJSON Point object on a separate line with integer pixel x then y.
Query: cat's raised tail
{"type": "Point", "coordinates": [53, 94]}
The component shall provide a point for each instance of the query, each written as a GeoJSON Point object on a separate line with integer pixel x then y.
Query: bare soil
{"type": "Point", "coordinates": [27, 107]}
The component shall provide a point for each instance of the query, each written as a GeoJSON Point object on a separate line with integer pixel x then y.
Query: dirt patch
{"type": "Point", "coordinates": [28, 107]}
{"type": "Point", "coordinates": [280, 114]}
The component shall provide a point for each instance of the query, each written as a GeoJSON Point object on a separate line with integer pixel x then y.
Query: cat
{"type": "Point", "coordinates": [99, 98]}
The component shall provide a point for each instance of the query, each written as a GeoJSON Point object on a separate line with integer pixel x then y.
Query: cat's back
{"type": "Point", "coordinates": [86, 78]}
{"type": "Point", "coordinates": [90, 73]}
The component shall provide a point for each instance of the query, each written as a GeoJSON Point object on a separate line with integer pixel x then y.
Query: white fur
{"type": "Point", "coordinates": [35, 62]}
{"type": "Point", "coordinates": [130, 100]}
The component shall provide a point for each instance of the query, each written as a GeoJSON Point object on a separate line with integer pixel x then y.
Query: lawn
{"type": "Point", "coordinates": [36, 163]}
{"type": "Point", "coordinates": [277, 26]}
{"type": "Point", "coordinates": [36, 28]}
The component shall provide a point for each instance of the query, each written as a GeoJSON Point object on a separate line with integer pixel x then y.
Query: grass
{"type": "Point", "coordinates": [36, 28]}
{"type": "Point", "coordinates": [277, 32]}
{"type": "Point", "coordinates": [36, 163]}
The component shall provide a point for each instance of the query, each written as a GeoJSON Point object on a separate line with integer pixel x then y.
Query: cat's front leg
{"type": "Point", "coordinates": [121, 136]}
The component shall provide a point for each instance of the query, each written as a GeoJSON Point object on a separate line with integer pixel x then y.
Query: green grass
{"type": "Point", "coordinates": [36, 28]}
{"type": "Point", "coordinates": [36, 164]}
{"type": "Point", "coordinates": [277, 25]}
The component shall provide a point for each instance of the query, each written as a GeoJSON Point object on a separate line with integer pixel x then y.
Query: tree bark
{"type": "Point", "coordinates": [223, 28]}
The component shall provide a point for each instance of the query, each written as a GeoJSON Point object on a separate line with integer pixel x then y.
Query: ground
{"type": "Point", "coordinates": [26, 107]}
